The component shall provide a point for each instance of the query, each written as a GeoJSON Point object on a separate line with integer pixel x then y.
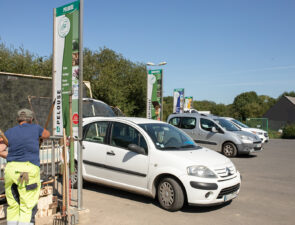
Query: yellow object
{"type": "Point", "coordinates": [22, 189]}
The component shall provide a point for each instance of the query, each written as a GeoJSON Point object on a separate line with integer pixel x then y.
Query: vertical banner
{"type": "Point", "coordinates": [154, 94]}
{"type": "Point", "coordinates": [178, 100]}
{"type": "Point", "coordinates": [188, 103]}
{"type": "Point", "coordinates": [66, 68]}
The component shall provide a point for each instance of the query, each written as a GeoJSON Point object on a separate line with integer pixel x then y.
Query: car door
{"type": "Point", "coordinates": [125, 166]}
{"type": "Point", "coordinates": [206, 137]}
{"type": "Point", "coordinates": [95, 149]}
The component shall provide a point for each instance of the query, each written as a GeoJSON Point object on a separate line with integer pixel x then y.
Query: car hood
{"type": "Point", "coordinates": [201, 156]}
{"type": "Point", "coordinates": [254, 129]}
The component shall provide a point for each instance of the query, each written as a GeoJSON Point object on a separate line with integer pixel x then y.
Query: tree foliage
{"type": "Point", "coordinates": [122, 83]}
{"type": "Point", "coordinates": [23, 62]}
{"type": "Point", "coordinates": [116, 80]}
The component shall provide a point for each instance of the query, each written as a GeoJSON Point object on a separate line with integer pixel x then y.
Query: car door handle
{"type": "Point", "coordinates": [111, 153]}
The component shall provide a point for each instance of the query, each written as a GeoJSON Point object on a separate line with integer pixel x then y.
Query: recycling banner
{"type": "Point", "coordinates": [66, 68]}
{"type": "Point", "coordinates": [178, 100]}
{"type": "Point", "coordinates": [154, 94]}
{"type": "Point", "coordinates": [188, 103]}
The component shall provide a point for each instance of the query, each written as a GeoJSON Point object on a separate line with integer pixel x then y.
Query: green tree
{"type": "Point", "coordinates": [116, 80]}
{"type": "Point", "coordinates": [291, 94]}
{"type": "Point", "coordinates": [247, 105]}
{"type": "Point", "coordinates": [168, 107]}
{"type": "Point", "coordinates": [23, 62]}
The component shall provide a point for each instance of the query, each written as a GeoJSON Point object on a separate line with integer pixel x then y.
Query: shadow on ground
{"type": "Point", "coordinates": [246, 156]}
{"type": "Point", "coordinates": [146, 200]}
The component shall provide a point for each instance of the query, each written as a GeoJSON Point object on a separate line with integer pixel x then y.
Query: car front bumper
{"type": "Point", "coordinates": [246, 148]}
{"type": "Point", "coordinates": [206, 192]}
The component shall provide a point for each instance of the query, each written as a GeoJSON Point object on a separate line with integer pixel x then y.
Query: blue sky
{"type": "Point", "coordinates": [215, 49]}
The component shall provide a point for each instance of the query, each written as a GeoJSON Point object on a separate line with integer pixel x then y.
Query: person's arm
{"type": "Point", "coordinates": [3, 152]}
{"type": "Point", "coordinates": [45, 134]}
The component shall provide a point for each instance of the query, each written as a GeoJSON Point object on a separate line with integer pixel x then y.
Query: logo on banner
{"type": "Point", "coordinates": [64, 27]}
{"type": "Point", "coordinates": [75, 118]}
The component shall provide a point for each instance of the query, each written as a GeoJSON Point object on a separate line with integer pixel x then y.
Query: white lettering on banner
{"type": "Point", "coordinates": [149, 109]}
{"type": "Point", "coordinates": [58, 107]}
{"type": "Point", "coordinates": [68, 8]}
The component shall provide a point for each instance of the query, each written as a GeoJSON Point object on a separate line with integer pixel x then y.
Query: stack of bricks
{"type": "Point", "coordinates": [47, 203]}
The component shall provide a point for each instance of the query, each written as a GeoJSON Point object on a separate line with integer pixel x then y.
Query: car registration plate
{"type": "Point", "coordinates": [258, 146]}
{"type": "Point", "coordinates": [230, 196]}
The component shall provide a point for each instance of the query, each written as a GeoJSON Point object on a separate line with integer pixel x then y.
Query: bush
{"type": "Point", "coordinates": [289, 131]}
{"type": "Point", "coordinates": [274, 134]}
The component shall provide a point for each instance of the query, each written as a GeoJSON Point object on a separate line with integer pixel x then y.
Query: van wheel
{"type": "Point", "coordinates": [229, 149]}
{"type": "Point", "coordinates": [170, 194]}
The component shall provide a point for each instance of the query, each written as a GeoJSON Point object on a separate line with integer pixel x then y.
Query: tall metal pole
{"type": "Point", "coordinates": [147, 93]}
{"type": "Point", "coordinates": [80, 133]}
{"type": "Point", "coordinates": [162, 91]}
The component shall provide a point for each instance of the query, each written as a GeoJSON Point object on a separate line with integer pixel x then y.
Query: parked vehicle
{"type": "Point", "coordinates": [156, 159]}
{"type": "Point", "coordinates": [262, 134]}
{"type": "Point", "coordinates": [216, 133]}
{"type": "Point", "coordinates": [93, 107]}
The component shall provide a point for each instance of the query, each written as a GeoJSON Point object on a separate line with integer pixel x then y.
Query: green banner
{"type": "Point", "coordinates": [155, 94]}
{"type": "Point", "coordinates": [66, 67]}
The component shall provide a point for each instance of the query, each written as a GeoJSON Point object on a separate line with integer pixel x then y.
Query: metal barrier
{"type": "Point", "coordinates": [50, 158]}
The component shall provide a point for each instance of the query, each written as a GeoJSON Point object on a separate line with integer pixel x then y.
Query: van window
{"type": "Point", "coordinates": [188, 123]}
{"type": "Point", "coordinates": [175, 121]}
{"type": "Point", "coordinates": [207, 124]}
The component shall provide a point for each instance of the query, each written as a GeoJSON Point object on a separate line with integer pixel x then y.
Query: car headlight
{"type": "Point", "coordinates": [257, 133]}
{"type": "Point", "coordinates": [200, 171]}
{"type": "Point", "coordinates": [245, 138]}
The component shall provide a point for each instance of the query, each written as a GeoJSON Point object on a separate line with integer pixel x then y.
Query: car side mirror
{"type": "Point", "coordinates": [214, 130]}
{"type": "Point", "coordinates": [136, 148]}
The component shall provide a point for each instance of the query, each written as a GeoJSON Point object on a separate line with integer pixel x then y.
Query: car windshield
{"type": "Point", "coordinates": [240, 123]}
{"type": "Point", "coordinates": [167, 137]}
{"type": "Point", "coordinates": [95, 108]}
{"type": "Point", "coordinates": [229, 126]}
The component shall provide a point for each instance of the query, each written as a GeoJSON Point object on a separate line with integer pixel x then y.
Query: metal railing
{"type": "Point", "coordinates": [50, 158]}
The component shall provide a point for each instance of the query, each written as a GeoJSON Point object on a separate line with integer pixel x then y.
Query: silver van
{"type": "Point", "coordinates": [216, 133]}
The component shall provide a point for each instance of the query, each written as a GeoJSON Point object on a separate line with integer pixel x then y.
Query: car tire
{"type": "Point", "coordinates": [170, 194]}
{"type": "Point", "coordinates": [229, 149]}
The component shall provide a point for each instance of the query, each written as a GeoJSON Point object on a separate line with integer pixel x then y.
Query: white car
{"type": "Point", "coordinates": [156, 159]}
{"type": "Point", "coordinates": [262, 134]}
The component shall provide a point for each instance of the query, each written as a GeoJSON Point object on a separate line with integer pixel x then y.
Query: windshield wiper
{"type": "Point", "coordinates": [192, 146]}
{"type": "Point", "coordinates": [171, 147]}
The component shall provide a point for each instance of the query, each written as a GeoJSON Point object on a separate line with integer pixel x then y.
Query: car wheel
{"type": "Point", "coordinates": [170, 194]}
{"type": "Point", "coordinates": [74, 177]}
{"type": "Point", "coordinates": [229, 149]}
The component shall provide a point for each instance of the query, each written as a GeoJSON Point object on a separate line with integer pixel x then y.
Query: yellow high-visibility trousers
{"type": "Point", "coordinates": [22, 198]}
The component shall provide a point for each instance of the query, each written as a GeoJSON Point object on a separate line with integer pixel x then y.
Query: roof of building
{"type": "Point", "coordinates": [291, 99]}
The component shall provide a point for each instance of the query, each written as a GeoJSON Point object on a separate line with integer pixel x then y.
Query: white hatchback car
{"type": "Point", "coordinates": [263, 135]}
{"type": "Point", "coordinates": [156, 159]}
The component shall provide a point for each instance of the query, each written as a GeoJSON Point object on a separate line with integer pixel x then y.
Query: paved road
{"type": "Point", "coordinates": [267, 197]}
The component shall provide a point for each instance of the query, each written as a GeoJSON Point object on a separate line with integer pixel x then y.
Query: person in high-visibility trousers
{"type": "Point", "coordinates": [22, 171]}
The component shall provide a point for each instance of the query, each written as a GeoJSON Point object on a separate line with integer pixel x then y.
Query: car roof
{"type": "Point", "coordinates": [136, 120]}
{"type": "Point", "coordinates": [197, 115]}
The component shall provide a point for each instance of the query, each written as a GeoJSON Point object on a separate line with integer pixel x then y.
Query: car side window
{"type": "Point", "coordinates": [207, 124]}
{"type": "Point", "coordinates": [96, 132]}
{"type": "Point", "coordinates": [122, 135]}
{"type": "Point", "coordinates": [188, 123]}
{"type": "Point", "coordinates": [175, 121]}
